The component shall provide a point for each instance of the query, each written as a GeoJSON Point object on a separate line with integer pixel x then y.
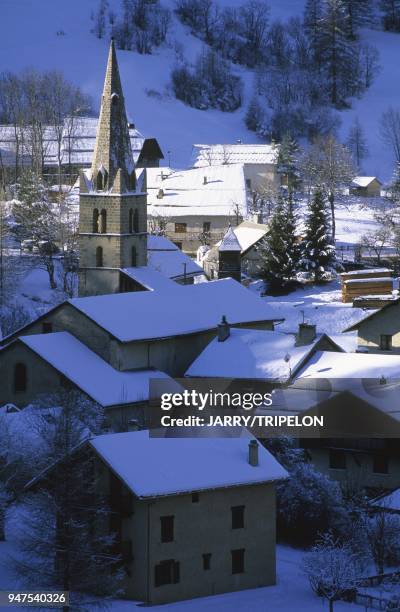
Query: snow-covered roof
{"type": "Point", "coordinates": [366, 272]}
{"type": "Point", "coordinates": [211, 191]}
{"type": "Point", "coordinates": [230, 242]}
{"type": "Point", "coordinates": [78, 139]}
{"type": "Point", "coordinates": [150, 279]}
{"type": "Point", "coordinates": [373, 313]}
{"type": "Point", "coordinates": [347, 341]}
{"type": "Point", "coordinates": [181, 465]}
{"type": "Point", "coordinates": [215, 154]}
{"type": "Point", "coordinates": [165, 257]}
{"type": "Point", "coordinates": [89, 372]}
{"type": "Point", "coordinates": [360, 281]}
{"type": "Point", "coordinates": [325, 364]}
{"type": "Point", "coordinates": [251, 354]}
{"type": "Point", "coordinates": [390, 501]}
{"type": "Point", "coordinates": [364, 181]}
{"type": "Point", "coordinates": [145, 315]}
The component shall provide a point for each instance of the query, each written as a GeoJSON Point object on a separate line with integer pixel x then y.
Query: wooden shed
{"type": "Point", "coordinates": [357, 287]}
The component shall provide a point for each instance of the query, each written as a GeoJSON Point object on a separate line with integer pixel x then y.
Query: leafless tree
{"type": "Point", "coordinates": [390, 130]}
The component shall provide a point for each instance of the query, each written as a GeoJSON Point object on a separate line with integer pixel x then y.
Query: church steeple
{"type": "Point", "coordinates": [113, 169]}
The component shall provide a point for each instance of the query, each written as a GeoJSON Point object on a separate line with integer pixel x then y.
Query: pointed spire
{"type": "Point", "coordinates": [230, 242]}
{"type": "Point", "coordinates": [113, 153]}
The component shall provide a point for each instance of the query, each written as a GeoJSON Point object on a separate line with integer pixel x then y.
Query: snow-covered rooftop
{"type": "Point", "coordinates": [182, 465]}
{"type": "Point", "coordinates": [391, 501]}
{"type": "Point", "coordinates": [366, 271]}
{"type": "Point", "coordinates": [215, 154]}
{"type": "Point", "coordinates": [251, 354]}
{"type": "Point", "coordinates": [364, 181]}
{"type": "Point", "coordinates": [230, 242]}
{"type": "Point", "coordinates": [78, 139]}
{"type": "Point", "coordinates": [89, 372]}
{"type": "Point", "coordinates": [325, 364]}
{"type": "Point", "coordinates": [150, 279]}
{"type": "Point", "coordinates": [211, 191]}
{"type": "Point", "coordinates": [146, 315]}
{"type": "Point", "coordinates": [165, 257]}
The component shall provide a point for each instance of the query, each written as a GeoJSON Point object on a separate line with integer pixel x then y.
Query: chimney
{"type": "Point", "coordinates": [204, 180]}
{"type": "Point", "coordinates": [133, 425]}
{"type": "Point", "coordinates": [253, 453]}
{"type": "Point", "coordinates": [306, 334]}
{"type": "Point", "coordinates": [224, 330]}
{"type": "Point", "coordinates": [160, 194]}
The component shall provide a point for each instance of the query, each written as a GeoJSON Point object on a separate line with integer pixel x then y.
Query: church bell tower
{"type": "Point", "coordinates": [113, 207]}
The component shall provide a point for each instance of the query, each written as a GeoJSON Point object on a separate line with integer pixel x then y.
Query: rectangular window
{"type": "Point", "coordinates": [166, 572]}
{"type": "Point", "coordinates": [206, 227]}
{"type": "Point", "coordinates": [195, 498]}
{"type": "Point", "coordinates": [206, 561]}
{"type": "Point", "coordinates": [237, 517]}
{"type": "Point", "coordinates": [180, 228]}
{"type": "Point", "coordinates": [47, 327]}
{"type": "Point", "coordinates": [167, 528]}
{"type": "Point", "coordinates": [385, 342]}
{"type": "Point", "coordinates": [248, 183]}
{"type": "Point", "coordinates": [380, 464]}
{"type": "Point", "coordinates": [237, 561]}
{"type": "Point", "coordinates": [337, 459]}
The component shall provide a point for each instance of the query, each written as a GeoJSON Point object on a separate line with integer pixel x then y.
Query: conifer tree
{"type": "Point", "coordinates": [318, 252]}
{"type": "Point", "coordinates": [287, 162]}
{"type": "Point", "coordinates": [279, 250]}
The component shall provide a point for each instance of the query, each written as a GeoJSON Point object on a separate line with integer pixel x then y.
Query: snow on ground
{"type": "Point", "coordinates": [319, 305]}
{"type": "Point", "coordinates": [82, 57]}
{"type": "Point", "coordinates": [292, 591]}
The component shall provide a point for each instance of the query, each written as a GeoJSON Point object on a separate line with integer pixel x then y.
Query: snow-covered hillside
{"type": "Point", "coordinates": [33, 41]}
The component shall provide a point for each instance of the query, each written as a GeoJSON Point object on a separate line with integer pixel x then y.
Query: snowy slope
{"type": "Point", "coordinates": [28, 38]}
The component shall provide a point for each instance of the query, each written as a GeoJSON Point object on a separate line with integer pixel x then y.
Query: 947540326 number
{"type": "Point", "coordinates": [55, 599]}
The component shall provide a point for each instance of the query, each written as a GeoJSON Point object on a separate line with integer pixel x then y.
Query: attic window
{"type": "Point", "coordinates": [114, 99]}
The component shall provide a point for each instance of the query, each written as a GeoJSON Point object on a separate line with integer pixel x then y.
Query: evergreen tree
{"type": "Point", "coordinates": [359, 14]}
{"type": "Point", "coordinates": [287, 164]}
{"type": "Point", "coordinates": [279, 250]}
{"type": "Point", "coordinates": [338, 54]}
{"type": "Point", "coordinates": [391, 14]}
{"type": "Point", "coordinates": [318, 252]}
{"type": "Point", "coordinates": [357, 143]}
{"type": "Point", "coordinates": [312, 19]}
{"type": "Point", "coordinates": [254, 115]}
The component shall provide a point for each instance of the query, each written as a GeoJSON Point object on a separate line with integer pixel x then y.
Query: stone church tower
{"type": "Point", "coordinates": [229, 256]}
{"type": "Point", "coordinates": [113, 207]}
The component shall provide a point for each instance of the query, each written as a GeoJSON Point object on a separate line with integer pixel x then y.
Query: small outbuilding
{"type": "Point", "coordinates": [367, 186]}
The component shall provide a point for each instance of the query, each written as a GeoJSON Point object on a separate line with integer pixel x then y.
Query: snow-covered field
{"type": "Point", "coordinates": [32, 41]}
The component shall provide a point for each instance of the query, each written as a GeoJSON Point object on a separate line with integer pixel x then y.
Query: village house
{"type": "Point", "coordinates": [194, 207]}
{"type": "Point", "coordinates": [379, 331]}
{"type": "Point", "coordinates": [216, 494]}
{"type": "Point", "coordinates": [249, 236]}
{"type": "Point", "coordinates": [366, 186]}
{"type": "Point", "coordinates": [269, 356]}
{"type": "Point", "coordinates": [69, 146]}
{"type": "Point", "coordinates": [360, 391]}
{"type": "Point", "coordinates": [259, 161]}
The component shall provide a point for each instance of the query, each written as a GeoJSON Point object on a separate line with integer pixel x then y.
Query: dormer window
{"type": "Point", "coordinates": [114, 99]}
{"type": "Point", "coordinates": [101, 179]}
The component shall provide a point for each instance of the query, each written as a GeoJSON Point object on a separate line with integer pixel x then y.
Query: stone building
{"type": "Point", "coordinates": [113, 215]}
{"type": "Point", "coordinates": [198, 520]}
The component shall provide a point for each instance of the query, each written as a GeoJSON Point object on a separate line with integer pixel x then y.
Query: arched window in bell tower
{"type": "Point", "coordinates": [99, 257]}
{"type": "Point", "coordinates": [133, 257]}
{"type": "Point", "coordinates": [95, 228]}
{"type": "Point", "coordinates": [136, 221]}
{"type": "Point", "coordinates": [132, 181]}
{"type": "Point", "coordinates": [103, 221]}
{"type": "Point", "coordinates": [130, 220]}
{"type": "Point", "coordinates": [114, 99]}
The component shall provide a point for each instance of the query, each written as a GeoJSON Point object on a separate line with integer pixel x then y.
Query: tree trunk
{"type": "Point", "coordinates": [331, 605]}
{"type": "Point", "coordinates": [331, 199]}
